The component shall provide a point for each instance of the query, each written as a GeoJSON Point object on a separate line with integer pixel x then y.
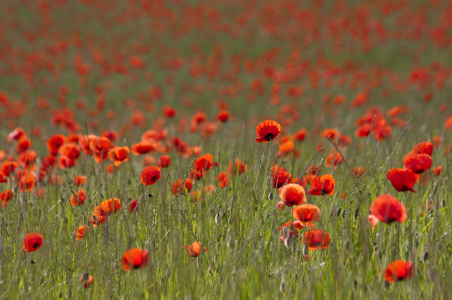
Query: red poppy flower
{"type": "Point", "coordinates": [23, 145]}
{"type": "Point", "coordinates": [334, 159]}
{"type": "Point", "coordinates": [164, 161]}
{"type": "Point", "coordinates": [55, 142]}
{"type": "Point", "coordinates": [436, 171]}
{"type": "Point", "coordinates": [134, 259]}
{"type": "Point", "coordinates": [110, 134]}
{"type": "Point", "coordinates": [300, 135]}
{"type": "Point", "coordinates": [86, 141]}
{"type": "Point", "coordinates": [16, 134]}
{"type": "Point", "coordinates": [291, 194]}
{"type": "Point", "coordinates": [204, 163]}
{"type": "Point", "coordinates": [330, 133]}
{"type": "Point", "coordinates": [402, 180]}
{"type": "Point", "coordinates": [223, 116]}
{"type": "Point", "coordinates": [169, 111]}
{"type": "Point", "coordinates": [398, 270]}
{"type": "Point", "coordinates": [28, 157]}
{"type": "Point", "coordinates": [363, 130]}
{"type": "Point", "coordinates": [285, 148]}
{"type": "Point", "coordinates": [223, 179]}
{"type": "Point", "coordinates": [5, 196]}
{"type": "Point", "coordinates": [322, 185]}
{"type": "Point", "coordinates": [118, 155]}
{"type": "Point", "coordinates": [98, 217]}
{"type": "Point", "coordinates": [32, 242]}
{"type": "Point", "coordinates": [267, 131]}
{"type": "Point", "coordinates": [306, 214]}
{"type": "Point", "coordinates": [27, 181]}
{"type": "Point", "coordinates": [237, 167]}
{"type": "Point", "coordinates": [80, 180]}
{"type": "Point", "coordinates": [81, 232]}
{"type": "Point", "coordinates": [78, 198]}
{"type": "Point", "coordinates": [150, 175]}
{"type": "Point", "coordinates": [143, 147]}
{"type": "Point", "coordinates": [194, 249]}
{"type": "Point", "coordinates": [110, 206]}
{"type": "Point", "coordinates": [316, 239]}
{"type": "Point", "coordinates": [8, 167]}
{"type": "Point", "coordinates": [423, 148]}
{"type": "Point", "coordinates": [178, 188]}
{"type": "Point", "coordinates": [280, 178]}
{"type": "Point", "coordinates": [87, 280]}
{"type": "Point", "coordinates": [388, 209]}
{"type": "Point", "coordinates": [417, 163]}
{"type": "Point", "coordinates": [71, 150]}
{"type": "Point", "coordinates": [65, 162]}
{"type": "Point", "coordinates": [133, 205]}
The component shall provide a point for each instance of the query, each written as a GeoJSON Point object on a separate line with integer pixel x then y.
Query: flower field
{"type": "Point", "coordinates": [225, 149]}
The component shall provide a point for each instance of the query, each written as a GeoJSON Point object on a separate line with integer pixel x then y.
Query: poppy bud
{"type": "Point", "coordinates": [338, 212]}
{"type": "Point", "coordinates": [443, 203]}
{"type": "Point", "coordinates": [344, 213]}
{"type": "Point", "coordinates": [425, 256]}
{"type": "Point", "coordinates": [270, 196]}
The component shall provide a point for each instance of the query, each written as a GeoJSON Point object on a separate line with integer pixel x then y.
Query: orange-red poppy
{"type": "Point", "coordinates": [80, 180]}
{"type": "Point", "coordinates": [150, 175]}
{"type": "Point", "coordinates": [334, 159]}
{"type": "Point", "coordinates": [110, 206]}
{"type": "Point", "coordinates": [306, 214]}
{"type": "Point", "coordinates": [423, 148]}
{"type": "Point", "coordinates": [300, 135]}
{"type": "Point", "coordinates": [32, 242]}
{"type": "Point", "coordinates": [27, 181]}
{"type": "Point", "coordinates": [417, 163]}
{"type": "Point", "coordinates": [194, 249]}
{"type": "Point", "coordinates": [223, 179]}
{"type": "Point", "coordinates": [23, 145]}
{"type": "Point", "coordinates": [436, 171]}
{"type": "Point", "coordinates": [280, 178]}
{"type": "Point", "coordinates": [81, 232]}
{"type": "Point", "coordinates": [16, 134]}
{"type": "Point", "coordinates": [316, 239]}
{"type": "Point", "coordinates": [71, 150]}
{"type": "Point", "coordinates": [55, 142]}
{"type": "Point", "coordinates": [402, 180]}
{"type": "Point", "coordinates": [28, 157]}
{"type": "Point", "coordinates": [78, 198]}
{"type": "Point", "coordinates": [5, 196]}
{"type": "Point", "coordinates": [179, 188]}
{"type": "Point", "coordinates": [86, 141]}
{"type": "Point", "coordinates": [133, 205]}
{"type": "Point", "coordinates": [237, 167]}
{"type": "Point", "coordinates": [291, 194]}
{"type": "Point", "coordinates": [164, 161]}
{"type": "Point", "coordinates": [143, 147]}
{"type": "Point", "coordinates": [87, 280]}
{"type": "Point", "coordinates": [363, 130]}
{"type": "Point", "coordinates": [118, 155]}
{"type": "Point", "coordinates": [299, 181]}
{"type": "Point", "coordinates": [134, 259]}
{"type": "Point", "coordinates": [267, 131]}
{"type": "Point", "coordinates": [65, 162]}
{"type": "Point", "coordinates": [223, 116]}
{"type": "Point", "coordinates": [387, 209]}
{"type": "Point", "coordinates": [169, 112]}
{"type": "Point", "coordinates": [98, 217]}
{"type": "Point", "coordinates": [398, 270]}
{"type": "Point", "coordinates": [8, 167]}
{"type": "Point", "coordinates": [322, 185]}
{"type": "Point", "coordinates": [330, 133]}
{"type": "Point", "coordinates": [204, 163]}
